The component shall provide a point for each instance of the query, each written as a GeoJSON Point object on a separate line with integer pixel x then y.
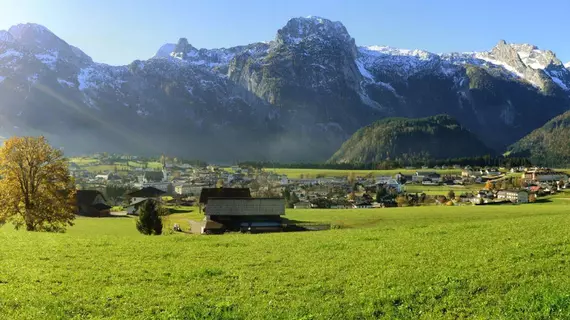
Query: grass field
{"type": "Point", "coordinates": [313, 173]}
{"type": "Point", "coordinates": [92, 165]}
{"type": "Point", "coordinates": [493, 262]}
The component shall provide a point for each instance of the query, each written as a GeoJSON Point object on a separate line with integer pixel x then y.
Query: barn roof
{"type": "Point", "coordinates": [155, 176]}
{"type": "Point", "coordinates": [87, 196]}
{"type": "Point", "coordinates": [147, 192]}
{"type": "Point", "coordinates": [223, 193]}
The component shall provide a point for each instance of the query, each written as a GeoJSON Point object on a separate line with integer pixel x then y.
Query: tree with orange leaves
{"type": "Point", "coordinates": [36, 190]}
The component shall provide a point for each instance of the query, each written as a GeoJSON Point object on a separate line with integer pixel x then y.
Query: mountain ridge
{"type": "Point", "coordinates": [296, 98]}
{"type": "Point", "coordinates": [549, 144]}
{"type": "Point", "coordinates": [431, 138]}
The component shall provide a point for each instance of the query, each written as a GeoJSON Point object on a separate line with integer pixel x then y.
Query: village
{"type": "Point", "coordinates": [105, 184]}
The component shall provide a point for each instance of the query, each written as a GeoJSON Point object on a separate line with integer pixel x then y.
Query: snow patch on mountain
{"type": "Point", "coordinates": [84, 78]}
{"type": "Point", "coordinates": [365, 73]}
{"type": "Point", "coordinates": [567, 65]}
{"type": "Point", "coordinates": [385, 50]}
{"type": "Point", "coordinates": [48, 58]}
{"type": "Point", "coordinates": [142, 112]}
{"type": "Point", "coordinates": [5, 36]}
{"type": "Point", "coordinates": [369, 102]}
{"type": "Point", "coordinates": [2, 78]}
{"type": "Point", "coordinates": [560, 83]}
{"type": "Point", "coordinates": [400, 61]}
{"type": "Point", "coordinates": [33, 78]}
{"type": "Point", "coordinates": [98, 76]}
{"type": "Point", "coordinates": [484, 57]}
{"type": "Point", "coordinates": [66, 83]}
{"type": "Point", "coordinates": [11, 53]}
{"type": "Point", "coordinates": [165, 50]}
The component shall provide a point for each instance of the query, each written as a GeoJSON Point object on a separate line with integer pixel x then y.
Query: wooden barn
{"type": "Point", "coordinates": [229, 209]}
{"type": "Point", "coordinates": [92, 203]}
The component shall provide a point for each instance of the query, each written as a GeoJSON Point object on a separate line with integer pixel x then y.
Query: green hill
{"type": "Point", "coordinates": [548, 145]}
{"type": "Point", "coordinates": [437, 137]}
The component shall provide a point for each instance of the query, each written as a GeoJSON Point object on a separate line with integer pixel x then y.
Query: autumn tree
{"type": "Point", "coordinates": [36, 190]}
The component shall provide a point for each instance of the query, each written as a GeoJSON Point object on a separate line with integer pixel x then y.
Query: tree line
{"type": "Point", "coordinates": [482, 161]}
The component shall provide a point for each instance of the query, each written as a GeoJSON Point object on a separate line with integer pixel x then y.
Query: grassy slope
{"type": "Point", "coordinates": [313, 173]}
{"type": "Point", "coordinates": [490, 262]}
{"type": "Point", "coordinates": [92, 165]}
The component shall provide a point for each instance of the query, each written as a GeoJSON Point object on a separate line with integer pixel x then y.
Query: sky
{"type": "Point", "coordinates": [120, 31]}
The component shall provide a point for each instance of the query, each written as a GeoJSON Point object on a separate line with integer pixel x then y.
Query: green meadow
{"type": "Point", "coordinates": [487, 262]}
{"type": "Point", "coordinates": [443, 190]}
{"type": "Point", "coordinates": [94, 165]}
{"type": "Point", "coordinates": [314, 173]}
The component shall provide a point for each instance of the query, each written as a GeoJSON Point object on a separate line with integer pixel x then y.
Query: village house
{"type": "Point", "coordinates": [91, 203]}
{"type": "Point", "coordinates": [544, 175]}
{"type": "Point", "coordinates": [382, 179]}
{"type": "Point", "coordinates": [393, 184]}
{"type": "Point", "coordinates": [427, 176]}
{"type": "Point", "coordinates": [362, 205]}
{"type": "Point", "coordinates": [107, 177]}
{"type": "Point", "coordinates": [302, 205]}
{"type": "Point", "coordinates": [492, 172]}
{"type": "Point", "coordinates": [137, 198]}
{"type": "Point", "coordinates": [470, 173]}
{"type": "Point", "coordinates": [183, 189]}
{"type": "Point", "coordinates": [516, 196]}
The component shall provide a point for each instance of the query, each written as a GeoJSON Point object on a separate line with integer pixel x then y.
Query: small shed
{"type": "Point", "coordinates": [91, 203]}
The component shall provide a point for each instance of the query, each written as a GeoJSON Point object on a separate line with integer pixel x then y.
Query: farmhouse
{"type": "Point", "coordinates": [107, 177]}
{"type": "Point", "coordinates": [137, 198]}
{"type": "Point", "coordinates": [544, 175]}
{"type": "Point", "coordinates": [229, 209]}
{"type": "Point", "coordinates": [516, 196]}
{"type": "Point", "coordinates": [470, 173]}
{"type": "Point", "coordinates": [91, 203]}
{"type": "Point", "coordinates": [426, 176]}
{"type": "Point", "coordinates": [392, 183]}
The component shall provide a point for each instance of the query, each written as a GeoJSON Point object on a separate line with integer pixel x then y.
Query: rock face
{"type": "Point", "coordinates": [296, 98]}
{"type": "Point", "coordinates": [548, 145]}
{"type": "Point", "coordinates": [437, 137]}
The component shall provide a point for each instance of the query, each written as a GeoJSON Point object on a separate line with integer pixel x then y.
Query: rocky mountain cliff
{"type": "Point", "coordinates": [295, 98]}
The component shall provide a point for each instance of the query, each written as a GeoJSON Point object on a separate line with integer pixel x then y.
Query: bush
{"type": "Point", "coordinates": [149, 221]}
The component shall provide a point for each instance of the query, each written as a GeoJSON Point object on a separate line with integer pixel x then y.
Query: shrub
{"type": "Point", "coordinates": [149, 221]}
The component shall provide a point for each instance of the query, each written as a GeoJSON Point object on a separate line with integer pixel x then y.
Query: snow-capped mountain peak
{"type": "Point", "coordinates": [567, 65]}
{"type": "Point", "coordinates": [31, 30]}
{"type": "Point", "coordinates": [165, 50]}
{"type": "Point", "coordinates": [6, 36]}
{"type": "Point", "coordinates": [312, 27]}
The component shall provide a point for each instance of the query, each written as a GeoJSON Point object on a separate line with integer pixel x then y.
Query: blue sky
{"type": "Point", "coordinates": [119, 31]}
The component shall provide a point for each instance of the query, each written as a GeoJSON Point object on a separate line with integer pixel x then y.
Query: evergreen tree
{"type": "Point", "coordinates": [294, 198]}
{"type": "Point", "coordinates": [286, 194]}
{"type": "Point", "coordinates": [149, 221]}
{"type": "Point", "coordinates": [380, 194]}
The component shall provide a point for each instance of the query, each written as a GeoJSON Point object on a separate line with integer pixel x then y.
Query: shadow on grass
{"type": "Point", "coordinates": [174, 211]}
{"type": "Point", "coordinates": [542, 201]}
{"type": "Point", "coordinates": [105, 216]}
{"type": "Point", "coordinates": [298, 225]}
